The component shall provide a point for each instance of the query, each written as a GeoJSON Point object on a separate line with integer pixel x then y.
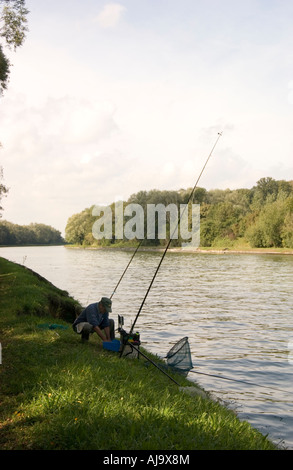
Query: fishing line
{"type": "Point", "coordinates": [239, 381]}
{"type": "Point", "coordinates": [138, 246]}
{"type": "Point", "coordinates": [140, 243]}
{"type": "Point", "coordinates": [170, 239]}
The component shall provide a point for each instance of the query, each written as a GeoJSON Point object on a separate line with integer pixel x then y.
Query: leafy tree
{"type": "Point", "coordinates": [261, 215]}
{"type": "Point", "coordinates": [139, 198]}
{"type": "Point", "coordinates": [240, 199]}
{"type": "Point", "coordinates": [3, 189]}
{"type": "Point", "coordinates": [255, 236]}
{"type": "Point", "coordinates": [12, 32]}
{"type": "Point", "coordinates": [13, 21]}
{"type": "Point", "coordinates": [199, 195]}
{"type": "Point", "coordinates": [5, 238]}
{"type": "Point", "coordinates": [33, 234]}
{"type": "Point", "coordinates": [266, 190]}
{"type": "Point", "coordinates": [223, 218]}
{"type": "Point", "coordinates": [287, 229]}
{"type": "Point", "coordinates": [215, 196]}
{"type": "Point", "coordinates": [4, 70]}
{"type": "Point", "coordinates": [266, 232]}
{"type": "Point", "coordinates": [285, 188]}
{"type": "Point", "coordinates": [45, 234]}
{"type": "Point", "coordinates": [208, 232]}
{"type": "Point", "coordinates": [79, 226]}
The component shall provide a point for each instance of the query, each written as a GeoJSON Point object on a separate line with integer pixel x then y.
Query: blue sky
{"type": "Point", "coordinates": [108, 98]}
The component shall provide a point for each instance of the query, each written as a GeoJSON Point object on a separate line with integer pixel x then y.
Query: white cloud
{"type": "Point", "coordinates": [110, 15]}
{"type": "Point", "coordinates": [62, 150]}
{"type": "Point", "coordinates": [90, 115]}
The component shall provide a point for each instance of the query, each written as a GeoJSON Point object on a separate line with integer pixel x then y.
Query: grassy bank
{"type": "Point", "coordinates": [58, 393]}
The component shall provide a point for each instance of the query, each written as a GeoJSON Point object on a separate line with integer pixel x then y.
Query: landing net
{"type": "Point", "coordinates": [179, 357]}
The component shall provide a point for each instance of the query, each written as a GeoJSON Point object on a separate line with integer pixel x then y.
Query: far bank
{"type": "Point", "coordinates": [204, 250]}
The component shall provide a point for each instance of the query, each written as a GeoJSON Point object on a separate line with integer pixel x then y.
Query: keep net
{"type": "Point", "coordinates": [179, 357]}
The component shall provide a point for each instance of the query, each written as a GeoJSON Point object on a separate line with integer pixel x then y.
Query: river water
{"type": "Point", "coordinates": [235, 309]}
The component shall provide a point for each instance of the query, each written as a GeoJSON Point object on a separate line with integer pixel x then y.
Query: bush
{"type": "Point", "coordinates": [287, 231]}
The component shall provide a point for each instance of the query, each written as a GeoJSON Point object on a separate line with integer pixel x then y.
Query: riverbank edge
{"type": "Point", "coordinates": [206, 250]}
{"type": "Point", "coordinates": [13, 320]}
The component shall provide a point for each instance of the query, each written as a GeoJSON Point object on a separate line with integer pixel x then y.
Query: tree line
{"type": "Point", "coordinates": [33, 234]}
{"type": "Point", "coordinates": [259, 217]}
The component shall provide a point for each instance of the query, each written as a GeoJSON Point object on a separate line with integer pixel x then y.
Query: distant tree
{"type": "Point", "coordinates": [267, 230]}
{"type": "Point", "coordinates": [266, 190]}
{"type": "Point", "coordinates": [240, 198]}
{"type": "Point", "coordinates": [199, 195]}
{"type": "Point", "coordinates": [261, 215]}
{"type": "Point", "coordinates": [45, 234]}
{"type": "Point", "coordinates": [154, 196]}
{"type": "Point", "coordinates": [208, 232]}
{"type": "Point", "coordinates": [215, 196]}
{"type": "Point", "coordinates": [267, 186]}
{"type": "Point", "coordinates": [33, 234]}
{"type": "Point", "coordinates": [4, 235]}
{"type": "Point", "coordinates": [255, 236]}
{"type": "Point", "coordinates": [287, 229]}
{"type": "Point", "coordinates": [139, 198]}
{"type": "Point", "coordinates": [285, 188]}
{"type": "Point", "coordinates": [79, 226]}
{"type": "Point", "coordinates": [222, 218]}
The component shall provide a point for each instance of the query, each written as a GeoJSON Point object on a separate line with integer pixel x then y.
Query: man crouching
{"type": "Point", "coordinates": [95, 318]}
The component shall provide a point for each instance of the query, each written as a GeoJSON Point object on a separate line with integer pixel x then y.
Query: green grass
{"type": "Point", "coordinates": [58, 393]}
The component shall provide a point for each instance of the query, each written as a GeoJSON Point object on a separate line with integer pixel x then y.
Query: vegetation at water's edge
{"type": "Point", "coordinates": [58, 393]}
{"type": "Point", "coordinates": [33, 234]}
{"type": "Point", "coordinates": [261, 217]}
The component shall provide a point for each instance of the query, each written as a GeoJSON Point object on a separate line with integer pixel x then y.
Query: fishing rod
{"type": "Point", "coordinates": [152, 362]}
{"type": "Point", "coordinates": [140, 243]}
{"type": "Point", "coordinates": [170, 239]}
{"type": "Point", "coordinates": [138, 246]}
{"type": "Point", "coordinates": [121, 277]}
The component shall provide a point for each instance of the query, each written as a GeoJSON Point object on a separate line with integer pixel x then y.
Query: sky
{"type": "Point", "coordinates": [107, 98]}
